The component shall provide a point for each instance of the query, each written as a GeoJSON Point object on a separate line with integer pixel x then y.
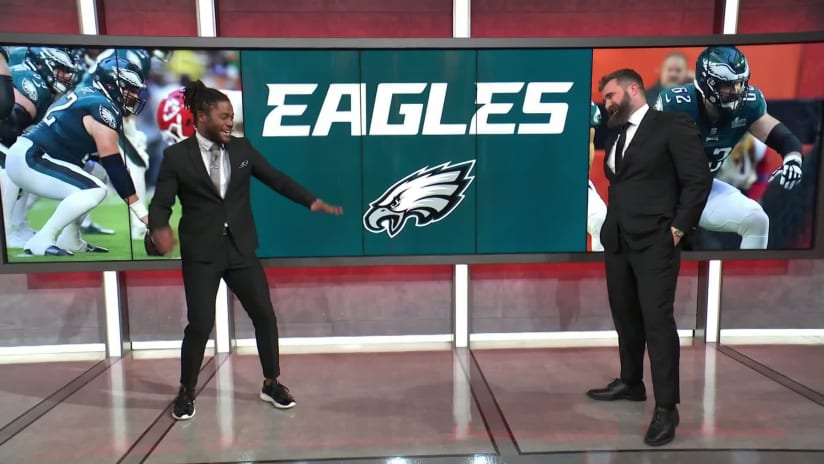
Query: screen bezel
{"type": "Point", "coordinates": [225, 43]}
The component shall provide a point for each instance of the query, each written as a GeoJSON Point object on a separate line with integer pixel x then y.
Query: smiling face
{"type": "Point", "coordinates": [216, 124]}
{"type": "Point", "coordinates": [618, 102]}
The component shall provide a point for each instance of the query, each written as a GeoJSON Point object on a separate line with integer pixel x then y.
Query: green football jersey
{"type": "Point", "coordinates": [721, 136]}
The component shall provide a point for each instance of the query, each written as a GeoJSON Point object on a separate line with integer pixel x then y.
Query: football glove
{"type": "Point", "coordinates": [789, 175]}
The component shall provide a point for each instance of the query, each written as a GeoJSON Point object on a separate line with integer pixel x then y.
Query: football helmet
{"type": "Point", "coordinates": [175, 121]}
{"type": "Point", "coordinates": [722, 76]}
{"type": "Point", "coordinates": [55, 65]}
{"type": "Point", "coordinates": [123, 83]}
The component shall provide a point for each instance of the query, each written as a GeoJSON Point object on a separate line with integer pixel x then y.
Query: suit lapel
{"type": "Point", "coordinates": [197, 163]}
{"type": "Point", "coordinates": [607, 149]}
{"type": "Point", "coordinates": [645, 126]}
{"type": "Point", "coordinates": [234, 164]}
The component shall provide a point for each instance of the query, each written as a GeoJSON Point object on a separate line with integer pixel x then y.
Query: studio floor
{"type": "Point", "coordinates": [740, 404]}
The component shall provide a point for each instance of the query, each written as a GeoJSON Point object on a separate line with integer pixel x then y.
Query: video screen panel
{"type": "Point", "coordinates": [43, 192]}
{"type": "Point", "coordinates": [748, 208]}
{"type": "Point", "coordinates": [429, 151]}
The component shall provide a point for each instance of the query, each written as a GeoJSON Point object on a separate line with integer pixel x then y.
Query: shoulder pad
{"type": "Point", "coordinates": [107, 116]}
{"type": "Point", "coordinates": [677, 98]}
{"type": "Point", "coordinates": [28, 87]}
{"type": "Point", "coordinates": [754, 103]}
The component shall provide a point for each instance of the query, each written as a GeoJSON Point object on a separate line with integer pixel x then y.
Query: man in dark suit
{"type": "Point", "coordinates": [659, 184]}
{"type": "Point", "coordinates": [211, 174]}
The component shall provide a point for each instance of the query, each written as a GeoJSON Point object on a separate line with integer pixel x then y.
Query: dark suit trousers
{"type": "Point", "coordinates": [245, 277]}
{"type": "Point", "coordinates": [641, 287]}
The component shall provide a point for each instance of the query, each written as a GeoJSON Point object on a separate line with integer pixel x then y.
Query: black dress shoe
{"type": "Point", "coordinates": [662, 428]}
{"type": "Point", "coordinates": [618, 390]}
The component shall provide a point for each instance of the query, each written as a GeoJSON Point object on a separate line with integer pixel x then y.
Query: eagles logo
{"type": "Point", "coordinates": [108, 117]}
{"type": "Point", "coordinates": [427, 195]}
{"type": "Point", "coordinates": [30, 90]}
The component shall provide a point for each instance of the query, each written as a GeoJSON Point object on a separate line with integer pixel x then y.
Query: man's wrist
{"type": "Point", "coordinates": [139, 209]}
{"type": "Point", "coordinates": [793, 157]}
{"type": "Point", "coordinates": [678, 232]}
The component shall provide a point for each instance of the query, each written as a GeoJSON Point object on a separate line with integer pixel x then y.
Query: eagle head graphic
{"type": "Point", "coordinates": [427, 195]}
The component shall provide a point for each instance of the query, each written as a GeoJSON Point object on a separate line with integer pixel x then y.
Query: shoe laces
{"type": "Point", "coordinates": [183, 395]}
{"type": "Point", "coordinates": [280, 387]}
{"type": "Point", "coordinates": [275, 385]}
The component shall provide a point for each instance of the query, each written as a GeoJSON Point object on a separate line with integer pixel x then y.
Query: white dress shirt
{"type": "Point", "coordinates": [634, 120]}
{"type": "Point", "coordinates": [225, 167]}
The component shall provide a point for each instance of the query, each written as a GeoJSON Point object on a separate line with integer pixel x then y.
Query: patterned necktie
{"type": "Point", "coordinates": [214, 167]}
{"type": "Point", "coordinates": [619, 147]}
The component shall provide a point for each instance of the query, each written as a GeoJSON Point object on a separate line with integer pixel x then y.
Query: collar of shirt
{"type": "Point", "coordinates": [636, 117]}
{"type": "Point", "coordinates": [204, 143]}
{"type": "Point", "coordinates": [225, 169]}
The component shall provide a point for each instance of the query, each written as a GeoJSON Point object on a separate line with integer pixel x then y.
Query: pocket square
{"type": "Point", "coordinates": [244, 163]}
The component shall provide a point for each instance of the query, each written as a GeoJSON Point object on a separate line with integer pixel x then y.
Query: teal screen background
{"type": "Point", "coordinates": [527, 193]}
{"type": "Point", "coordinates": [532, 193]}
{"type": "Point", "coordinates": [389, 158]}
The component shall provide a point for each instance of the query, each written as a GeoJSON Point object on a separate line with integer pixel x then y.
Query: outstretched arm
{"type": "Point", "coordinates": [106, 141]}
{"type": "Point", "coordinates": [777, 136]}
{"type": "Point", "coordinates": [286, 186]}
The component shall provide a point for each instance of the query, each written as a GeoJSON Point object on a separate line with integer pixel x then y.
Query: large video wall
{"type": "Point", "coordinates": [429, 151]}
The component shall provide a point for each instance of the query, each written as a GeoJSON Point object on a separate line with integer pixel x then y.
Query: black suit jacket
{"type": "Point", "coordinates": [204, 212]}
{"type": "Point", "coordinates": [664, 180]}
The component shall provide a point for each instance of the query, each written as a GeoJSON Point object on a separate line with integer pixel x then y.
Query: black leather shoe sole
{"type": "Point", "coordinates": [663, 441]}
{"type": "Point", "coordinates": [620, 396]}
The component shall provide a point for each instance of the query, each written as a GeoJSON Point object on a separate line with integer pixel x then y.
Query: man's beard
{"type": "Point", "coordinates": [621, 114]}
{"type": "Point", "coordinates": [214, 133]}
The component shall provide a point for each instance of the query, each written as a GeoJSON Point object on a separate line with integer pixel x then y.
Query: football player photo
{"type": "Point", "coordinates": [65, 198]}
{"type": "Point", "coordinates": [760, 152]}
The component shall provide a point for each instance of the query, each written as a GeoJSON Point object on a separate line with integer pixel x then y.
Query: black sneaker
{"type": "Point", "coordinates": [184, 406]}
{"type": "Point", "coordinates": [278, 395]}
